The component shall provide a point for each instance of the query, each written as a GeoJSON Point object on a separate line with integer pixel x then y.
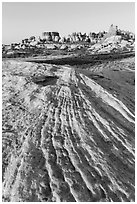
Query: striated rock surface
{"type": "Point", "coordinates": [68, 134]}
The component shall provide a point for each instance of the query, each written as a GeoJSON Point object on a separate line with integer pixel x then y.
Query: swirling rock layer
{"type": "Point", "coordinates": [68, 134]}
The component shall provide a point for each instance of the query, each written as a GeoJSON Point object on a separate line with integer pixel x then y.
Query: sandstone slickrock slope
{"type": "Point", "coordinates": [68, 134]}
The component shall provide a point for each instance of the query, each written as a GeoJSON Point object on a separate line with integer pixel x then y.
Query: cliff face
{"type": "Point", "coordinates": [68, 134]}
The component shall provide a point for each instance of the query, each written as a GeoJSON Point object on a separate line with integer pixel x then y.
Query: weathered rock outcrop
{"type": "Point", "coordinates": [103, 41]}
{"type": "Point", "coordinates": [51, 36]}
{"type": "Point", "coordinates": [114, 43]}
{"type": "Point", "coordinates": [55, 36]}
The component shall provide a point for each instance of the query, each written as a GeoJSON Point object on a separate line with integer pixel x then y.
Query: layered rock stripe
{"type": "Point", "coordinates": [71, 140]}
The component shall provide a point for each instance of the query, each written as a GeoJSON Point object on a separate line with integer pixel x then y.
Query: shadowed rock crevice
{"type": "Point", "coordinates": [83, 59]}
{"type": "Point", "coordinates": [45, 80]}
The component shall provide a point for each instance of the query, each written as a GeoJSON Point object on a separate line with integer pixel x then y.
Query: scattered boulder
{"type": "Point", "coordinates": [50, 46]}
{"type": "Point", "coordinates": [112, 40]}
{"type": "Point", "coordinates": [6, 47]}
{"type": "Point", "coordinates": [47, 36]}
{"type": "Point", "coordinates": [55, 36]}
{"type": "Point", "coordinates": [32, 38]}
{"type": "Point", "coordinates": [56, 39]}
{"type": "Point", "coordinates": [10, 52]}
{"type": "Point", "coordinates": [63, 47]}
{"type": "Point", "coordinates": [63, 40]}
{"type": "Point", "coordinates": [51, 36]}
{"type": "Point", "coordinates": [17, 47]}
{"type": "Point", "coordinates": [74, 47]}
{"type": "Point", "coordinates": [33, 43]}
{"type": "Point", "coordinates": [23, 46]}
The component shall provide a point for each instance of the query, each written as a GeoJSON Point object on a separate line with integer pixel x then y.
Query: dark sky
{"type": "Point", "coordinates": [21, 20]}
